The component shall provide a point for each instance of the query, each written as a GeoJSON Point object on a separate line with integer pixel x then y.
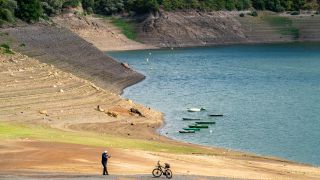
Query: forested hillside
{"type": "Point", "coordinates": [33, 10]}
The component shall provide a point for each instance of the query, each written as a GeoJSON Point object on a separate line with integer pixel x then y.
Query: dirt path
{"type": "Point", "coordinates": [111, 177]}
{"type": "Point", "coordinates": [28, 157]}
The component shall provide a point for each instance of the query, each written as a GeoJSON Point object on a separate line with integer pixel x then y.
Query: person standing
{"type": "Point", "coordinates": [104, 161]}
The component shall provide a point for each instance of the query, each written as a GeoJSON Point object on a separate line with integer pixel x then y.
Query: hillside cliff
{"type": "Point", "coordinates": [182, 29]}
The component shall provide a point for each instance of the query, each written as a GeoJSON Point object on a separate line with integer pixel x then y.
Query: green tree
{"type": "Point", "coordinates": [143, 6]}
{"type": "Point", "coordinates": [87, 4]}
{"type": "Point", "coordinates": [29, 10]}
{"type": "Point", "coordinates": [7, 8]}
{"type": "Point", "coordinates": [274, 5]}
{"type": "Point", "coordinates": [298, 4]}
{"type": "Point", "coordinates": [52, 7]}
{"type": "Point", "coordinates": [108, 7]}
{"type": "Point", "coordinates": [258, 4]}
{"type": "Point", "coordinates": [230, 5]}
{"type": "Point", "coordinates": [219, 4]}
{"type": "Point", "coordinates": [71, 3]}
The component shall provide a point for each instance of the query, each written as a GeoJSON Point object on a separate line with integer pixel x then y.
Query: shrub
{"type": "Point", "coordinates": [145, 6]}
{"type": "Point", "coordinates": [11, 5]}
{"type": "Point", "coordinates": [29, 10]}
{"type": "Point", "coordinates": [258, 4]}
{"type": "Point", "coordinates": [6, 48]}
{"type": "Point", "coordinates": [294, 13]}
{"type": "Point", "coordinates": [108, 7]}
{"type": "Point", "coordinates": [89, 10]}
{"type": "Point", "coordinates": [2, 22]}
{"type": "Point", "coordinates": [230, 5]}
{"type": "Point", "coordinates": [86, 4]}
{"type": "Point", "coordinates": [254, 13]}
{"type": "Point", "coordinates": [52, 7]}
{"type": "Point", "coordinates": [6, 14]}
{"type": "Point", "coordinates": [4, 34]}
{"type": "Point", "coordinates": [71, 3]}
{"type": "Point", "coordinates": [241, 14]}
{"type": "Point", "coordinates": [7, 8]}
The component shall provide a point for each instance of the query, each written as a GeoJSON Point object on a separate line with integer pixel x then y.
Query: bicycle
{"type": "Point", "coordinates": [162, 170]}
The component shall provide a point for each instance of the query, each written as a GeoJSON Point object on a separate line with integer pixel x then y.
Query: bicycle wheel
{"type": "Point", "coordinates": [156, 172]}
{"type": "Point", "coordinates": [168, 173]}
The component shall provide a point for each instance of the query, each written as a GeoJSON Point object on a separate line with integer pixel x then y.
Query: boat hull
{"type": "Point", "coordinates": [202, 122]}
{"type": "Point", "coordinates": [198, 126]}
{"type": "Point", "coordinates": [191, 119]}
{"type": "Point", "coordinates": [189, 131]}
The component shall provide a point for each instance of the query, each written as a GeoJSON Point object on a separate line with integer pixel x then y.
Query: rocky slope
{"type": "Point", "coordinates": [67, 51]}
{"type": "Point", "coordinates": [181, 29]}
{"type": "Point", "coordinates": [99, 31]}
{"type": "Point", "coordinates": [39, 93]}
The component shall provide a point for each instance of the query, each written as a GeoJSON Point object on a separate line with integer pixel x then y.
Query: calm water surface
{"type": "Point", "coordinates": [269, 94]}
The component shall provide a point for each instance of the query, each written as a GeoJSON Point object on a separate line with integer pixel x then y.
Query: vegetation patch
{"type": "Point", "coordinates": [4, 34]}
{"type": "Point", "coordinates": [127, 27]}
{"type": "Point", "coordinates": [18, 131]}
{"type": "Point", "coordinates": [283, 24]}
{"type": "Point", "coordinates": [6, 48]}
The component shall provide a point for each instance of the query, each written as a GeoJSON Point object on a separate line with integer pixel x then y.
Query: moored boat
{"type": "Point", "coordinates": [205, 122]}
{"type": "Point", "coordinates": [198, 126]}
{"type": "Point", "coordinates": [215, 115]}
{"type": "Point", "coordinates": [191, 129]}
{"type": "Point", "coordinates": [191, 119]}
{"type": "Point", "coordinates": [196, 109]}
{"type": "Point", "coordinates": [188, 131]}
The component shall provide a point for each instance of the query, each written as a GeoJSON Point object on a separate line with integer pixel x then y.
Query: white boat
{"type": "Point", "coordinates": [196, 109]}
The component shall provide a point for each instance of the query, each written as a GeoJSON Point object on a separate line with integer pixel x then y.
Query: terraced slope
{"type": "Point", "coordinates": [258, 29]}
{"type": "Point", "coordinates": [38, 93]}
{"type": "Point", "coordinates": [309, 27]}
{"type": "Point", "coordinates": [181, 29]}
{"type": "Point", "coordinates": [67, 51]}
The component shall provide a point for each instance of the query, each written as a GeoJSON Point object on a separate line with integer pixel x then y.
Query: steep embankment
{"type": "Point", "coordinates": [99, 31]}
{"type": "Point", "coordinates": [67, 51]}
{"type": "Point", "coordinates": [309, 27]}
{"type": "Point", "coordinates": [181, 29]}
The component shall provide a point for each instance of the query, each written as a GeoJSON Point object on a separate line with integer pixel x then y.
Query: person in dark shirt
{"type": "Point", "coordinates": [104, 161]}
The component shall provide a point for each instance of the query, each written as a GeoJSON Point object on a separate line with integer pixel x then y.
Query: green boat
{"type": "Point", "coordinates": [205, 122]}
{"type": "Point", "coordinates": [216, 115]}
{"type": "Point", "coordinates": [191, 119]}
{"type": "Point", "coordinates": [198, 126]}
{"type": "Point", "coordinates": [191, 129]}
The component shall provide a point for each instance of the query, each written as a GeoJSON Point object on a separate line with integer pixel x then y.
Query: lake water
{"type": "Point", "coordinates": [269, 94]}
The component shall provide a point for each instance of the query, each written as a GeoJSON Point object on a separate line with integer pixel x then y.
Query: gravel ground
{"type": "Point", "coordinates": [110, 177]}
